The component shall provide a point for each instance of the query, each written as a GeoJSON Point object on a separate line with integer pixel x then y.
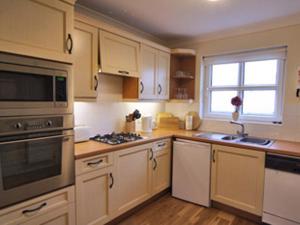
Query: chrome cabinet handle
{"type": "Point", "coordinates": [97, 83]}
{"type": "Point", "coordinates": [123, 72]}
{"type": "Point", "coordinates": [159, 89]}
{"type": "Point", "coordinates": [69, 40]}
{"type": "Point", "coordinates": [152, 154]}
{"type": "Point", "coordinates": [64, 138]}
{"type": "Point", "coordinates": [91, 164]}
{"type": "Point", "coordinates": [112, 180]}
{"type": "Point", "coordinates": [142, 87]}
{"type": "Point", "coordinates": [155, 164]}
{"type": "Point", "coordinates": [26, 211]}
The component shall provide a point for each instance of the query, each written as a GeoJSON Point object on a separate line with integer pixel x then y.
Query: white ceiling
{"type": "Point", "coordinates": [184, 19]}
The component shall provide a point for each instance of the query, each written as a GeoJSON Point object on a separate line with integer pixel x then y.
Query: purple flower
{"type": "Point", "coordinates": [236, 101]}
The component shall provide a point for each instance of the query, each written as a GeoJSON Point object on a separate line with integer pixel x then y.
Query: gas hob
{"type": "Point", "coordinates": [117, 138]}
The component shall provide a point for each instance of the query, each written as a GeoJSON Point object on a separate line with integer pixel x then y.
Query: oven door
{"type": "Point", "coordinates": [35, 165]}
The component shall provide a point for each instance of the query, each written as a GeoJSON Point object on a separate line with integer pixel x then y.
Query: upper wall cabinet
{"type": "Point", "coordinates": [163, 71]}
{"type": "Point", "coordinates": [119, 55]}
{"type": "Point", "coordinates": [154, 80]}
{"type": "Point", "coordinates": [85, 60]}
{"type": "Point", "coordinates": [38, 28]}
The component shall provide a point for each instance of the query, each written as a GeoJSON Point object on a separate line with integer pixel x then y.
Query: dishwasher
{"type": "Point", "coordinates": [282, 190]}
{"type": "Point", "coordinates": [191, 171]}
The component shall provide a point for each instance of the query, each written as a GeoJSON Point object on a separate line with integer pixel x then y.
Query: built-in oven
{"type": "Point", "coordinates": [30, 86]}
{"type": "Point", "coordinates": [36, 156]}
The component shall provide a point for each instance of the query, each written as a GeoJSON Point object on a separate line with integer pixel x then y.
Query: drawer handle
{"type": "Point", "coordinates": [112, 180]}
{"type": "Point", "coordinates": [214, 156]}
{"type": "Point", "coordinates": [35, 209]}
{"type": "Point", "coordinates": [162, 145]}
{"type": "Point", "coordinates": [155, 164]}
{"type": "Point", "coordinates": [69, 46]}
{"type": "Point", "coordinates": [123, 72]}
{"type": "Point", "coordinates": [91, 164]}
{"type": "Point", "coordinates": [152, 154]}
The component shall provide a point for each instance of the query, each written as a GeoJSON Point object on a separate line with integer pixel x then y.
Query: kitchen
{"type": "Point", "coordinates": [211, 104]}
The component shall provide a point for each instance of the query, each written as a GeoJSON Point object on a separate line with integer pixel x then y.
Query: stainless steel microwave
{"type": "Point", "coordinates": [30, 86]}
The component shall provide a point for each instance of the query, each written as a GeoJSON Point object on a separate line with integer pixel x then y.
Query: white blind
{"type": "Point", "coordinates": [261, 54]}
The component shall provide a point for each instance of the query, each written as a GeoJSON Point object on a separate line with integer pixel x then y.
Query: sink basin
{"type": "Point", "coordinates": [252, 140]}
{"type": "Point", "coordinates": [230, 138]}
{"type": "Point", "coordinates": [235, 138]}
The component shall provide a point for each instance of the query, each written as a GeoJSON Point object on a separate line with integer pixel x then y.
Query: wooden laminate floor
{"type": "Point", "coordinates": [171, 211]}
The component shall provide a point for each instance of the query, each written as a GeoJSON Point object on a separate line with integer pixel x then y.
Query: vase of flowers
{"type": "Point", "coordinates": [236, 102]}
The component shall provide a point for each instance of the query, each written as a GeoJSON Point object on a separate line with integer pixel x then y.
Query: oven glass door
{"type": "Point", "coordinates": [35, 164]}
{"type": "Point", "coordinates": [34, 159]}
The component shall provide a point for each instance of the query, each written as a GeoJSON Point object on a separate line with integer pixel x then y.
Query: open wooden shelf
{"type": "Point", "coordinates": [187, 64]}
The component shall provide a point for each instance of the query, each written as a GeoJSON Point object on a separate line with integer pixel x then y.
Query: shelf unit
{"type": "Point", "coordinates": [182, 60]}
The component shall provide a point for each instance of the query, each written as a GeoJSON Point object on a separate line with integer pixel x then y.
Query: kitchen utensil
{"type": "Point", "coordinates": [147, 124]}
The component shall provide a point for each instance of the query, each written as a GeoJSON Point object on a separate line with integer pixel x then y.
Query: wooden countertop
{"type": "Point", "coordinates": [90, 148]}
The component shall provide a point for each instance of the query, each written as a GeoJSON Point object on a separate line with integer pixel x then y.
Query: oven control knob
{"type": "Point", "coordinates": [49, 123]}
{"type": "Point", "coordinates": [18, 125]}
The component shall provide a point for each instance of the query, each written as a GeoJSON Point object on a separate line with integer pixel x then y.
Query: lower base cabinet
{"type": "Point", "coordinates": [93, 196]}
{"type": "Point", "coordinates": [237, 178]}
{"type": "Point", "coordinates": [56, 208]}
{"type": "Point", "coordinates": [161, 166]}
{"type": "Point", "coordinates": [110, 184]}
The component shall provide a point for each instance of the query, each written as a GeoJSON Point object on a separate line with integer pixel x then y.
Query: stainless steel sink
{"type": "Point", "coordinates": [230, 137]}
{"type": "Point", "coordinates": [235, 139]}
{"type": "Point", "coordinates": [253, 140]}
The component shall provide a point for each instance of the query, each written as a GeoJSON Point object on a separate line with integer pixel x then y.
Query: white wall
{"type": "Point", "coordinates": [290, 36]}
{"type": "Point", "coordinates": [107, 114]}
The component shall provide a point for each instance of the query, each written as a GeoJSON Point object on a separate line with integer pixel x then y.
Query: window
{"type": "Point", "coordinates": [256, 77]}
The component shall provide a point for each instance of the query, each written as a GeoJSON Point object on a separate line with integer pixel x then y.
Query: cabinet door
{"type": "Point", "coordinates": [133, 176]}
{"type": "Point", "coordinates": [238, 177]}
{"type": "Point", "coordinates": [63, 216]}
{"type": "Point", "coordinates": [148, 73]}
{"type": "Point", "coordinates": [161, 170]}
{"type": "Point", "coordinates": [93, 195]}
{"type": "Point", "coordinates": [163, 75]}
{"type": "Point", "coordinates": [85, 60]}
{"type": "Point", "coordinates": [38, 28]}
{"type": "Point", "coordinates": [119, 55]}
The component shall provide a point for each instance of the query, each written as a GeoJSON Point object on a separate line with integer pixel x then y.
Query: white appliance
{"type": "Point", "coordinates": [82, 133]}
{"type": "Point", "coordinates": [282, 190]}
{"type": "Point", "coordinates": [147, 124]}
{"type": "Point", "coordinates": [191, 171]}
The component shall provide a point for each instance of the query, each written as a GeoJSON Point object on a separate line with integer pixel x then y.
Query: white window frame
{"type": "Point", "coordinates": [241, 58]}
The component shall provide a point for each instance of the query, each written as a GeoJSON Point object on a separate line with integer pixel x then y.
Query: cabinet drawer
{"type": "Point", "coordinates": [162, 146]}
{"type": "Point", "coordinates": [93, 163]}
{"type": "Point", "coordinates": [31, 209]}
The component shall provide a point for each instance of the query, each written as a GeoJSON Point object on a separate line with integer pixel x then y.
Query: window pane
{"type": "Point", "coordinates": [225, 74]}
{"type": "Point", "coordinates": [259, 102]}
{"type": "Point", "coordinates": [221, 101]}
{"type": "Point", "coordinates": [261, 72]}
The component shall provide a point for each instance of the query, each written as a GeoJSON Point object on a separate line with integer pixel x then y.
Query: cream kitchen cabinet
{"type": "Point", "coordinates": [154, 79]}
{"type": "Point", "coordinates": [56, 208]}
{"type": "Point", "coordinates": [237, 178]}
{"type": "Point", "coordinates": [85, 60]}
{"type": "Point", "coordinates": [119, 55]}
{"type": "Point", "coordinates": [161, 166]}
{"type": "Point", "coordinates": [39, 28]}
{"type": "Point", "coordinates": [94, 189]}
{"type": "Point", "coordinates": [133, 168]}
{"type": "Point", "coordinates": [163, 74]}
